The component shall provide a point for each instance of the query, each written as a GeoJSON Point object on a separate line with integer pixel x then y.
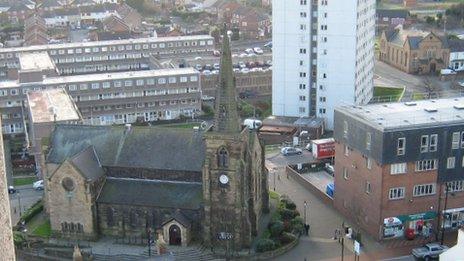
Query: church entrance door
{"type": "Point", "coordinates": [175, 237]}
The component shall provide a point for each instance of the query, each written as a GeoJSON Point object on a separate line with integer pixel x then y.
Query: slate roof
{"type": "Point", "coordinates": [152, 193]}
{"type": "Point", "coordinates": [392, 13]}
{"type": "Point", "coordinates": [179, 217]}
{"type": "Point", "coordinates": [140, 147]}
{"type": "Point", "coordinates": [88, 164]}
{"type": "Point", "coordinates": [456, 45]}
{"type": "Point", "coordinates": [399, 37]}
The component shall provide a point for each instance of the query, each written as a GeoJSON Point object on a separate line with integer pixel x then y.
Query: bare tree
{"type": "Point", "coordinates": [430, 87]}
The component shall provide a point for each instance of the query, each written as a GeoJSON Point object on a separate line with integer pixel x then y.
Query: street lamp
{"type": "Point", "coordinates": [275, 172]}
{"type": "Point", "coordinates": [305, 204]}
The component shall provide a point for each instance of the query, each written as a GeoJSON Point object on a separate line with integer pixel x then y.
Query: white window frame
{"type": "Point", "coordinates": [396, 193]}
{"type": "Point", "coordinates": [451, 162]}
{"type": "Point", "coordinates": [426, 165]}
{"type": "Point", "coordinates": [424, 147]}
{"type": "Point", "coordinates": [368, 163]}
{"type": "Point", "coordinates": [398, 168]}
{"type": "Point", "coordinates": [368, 187]}
{"type": "Point", "coordinates": [455, 140]}
{"type": "Point", "coordinates": [401, 150]}
{"type": "Point", "coordinates": [422, 190]}
{"type": "Point", "coordinates": [433, 141]}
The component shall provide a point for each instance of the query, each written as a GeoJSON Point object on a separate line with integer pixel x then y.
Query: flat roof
{"type": "Point", "coordinates": [105, 43]}
{"type": "Point", "coordinates": [44, 105]}
{"type": "Point", "coordinates": [103, 76]}
{"type": "Point", "coordinates": [35, 61]}
{"type": "Point", "coordinates": [405, 115]}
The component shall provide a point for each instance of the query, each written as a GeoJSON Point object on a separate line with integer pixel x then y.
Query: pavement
{"type": "Point", "coordinates": [323, 220]}
{"type": "Point", "coordinates": [388, 76]}
{"type": "Point", "coordinates": [23, 199]}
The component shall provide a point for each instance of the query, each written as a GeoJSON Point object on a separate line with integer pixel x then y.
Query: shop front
{"type": "Point", "coordinates": [453, 218]}
{"type": "Point", "coordinates": [420, 224]}
{"type": "Point", "coordinates": [392, 228]}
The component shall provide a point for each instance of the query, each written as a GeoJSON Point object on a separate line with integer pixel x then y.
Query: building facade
{"type": "Point", "coordinates": [323, 54]}
{"type": "Point", "coordinates": [415, 52]}
{"type": "Point", "coordinates": [396, 163]}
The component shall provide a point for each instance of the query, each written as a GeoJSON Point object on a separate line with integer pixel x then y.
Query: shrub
{"type": "Point", "coordinates": [19, 239]}
{"type": "Point", "coordinates": [277, 228]}
{"type": "Point", "coordinates": [32, 211]}
{"type": "Point", "coordinates": [265, 244]}
{"type": "Point", "coordinates": [290, 205]}
{"type": "Point", "coordinates": [286, 238]}
{"type": "Point", "coordinates": [288, 214]}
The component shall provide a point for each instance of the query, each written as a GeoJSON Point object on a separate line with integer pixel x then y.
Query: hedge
{"type": "Point", "coordinates": [32, 211]}
{"type": "Point", "coordinates": [265, 244]}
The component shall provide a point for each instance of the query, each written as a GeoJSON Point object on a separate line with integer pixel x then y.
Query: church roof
{"type": "Point", "coordinates": [137, 147]}
{"type": "Point", "coordinates": [88, 164]}
{"type": "Point", "coordinates": [226, 116]}
{"type": "Point", "coordinates": [153, 193]}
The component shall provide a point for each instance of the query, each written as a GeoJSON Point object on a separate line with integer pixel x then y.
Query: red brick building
{"type": "Point", "coordinates": [393, 164]}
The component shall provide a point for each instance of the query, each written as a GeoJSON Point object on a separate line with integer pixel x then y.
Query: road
{"type": "Point", "coordinates": [386, 75]}
{"type": "Point", "coordinates": [400, 258]}
{"type": "Point", "coordinates": [26, 196]}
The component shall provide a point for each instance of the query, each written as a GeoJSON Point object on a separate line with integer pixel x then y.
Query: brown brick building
{"type": "Point", "coordinates": [393, 164]}
{"type": "Point", "coordinates": [415, 52]}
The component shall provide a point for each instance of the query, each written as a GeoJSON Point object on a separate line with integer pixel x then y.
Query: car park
{"type": "Point", "coordinates": [216, 53]}
{"type": "Point", "coordinates": [245, 70]}
{"type": "Point", "coordinates": [216, 66]}
{"type": "Point", "coordinates": [268, 45]}
{"type": "Point", "coordinates": [242, 55]}
{"type": "Point", "coordinates": [208, 67]}
{"type": "Point", "coordinates": [288, 151]}
{"type": "Point", "coordinates": [249, 51]}
{"type": "Point", "coordinates": [242, 65]}
{"type": "Point", "coordinates": [199, 67]}
{"type": "Point", "coordinates": [206, 72]}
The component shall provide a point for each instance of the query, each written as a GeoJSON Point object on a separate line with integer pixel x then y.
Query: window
{"type": "Point", "coordinates": [425, 165]}
{"type": "Point", "coordinates": [433, 142]}
{"type": "Point", "coordinates": [455, 186]}
{"type": "Point", "coordinates": [83, 86]}
{"type": "Point", "coordinates": [139, 82]}
{"type": "Point", "coordinates": [72, 87]}
{"type": "Point", "coordinates": [368, 163]}
{"type": "Point", "coordinates": [193, 78]}
{"type": "Point", "coordinates": [183, 79]}
{"type": "Point", "coordinates": [398, 168]}
{"type": "Point", "coordinates": [368, 140]}
{"type": "Point", "coordinates": [424, 190]}
{"type": "Point", "coordinates": [368, 187]}
{"type": "Point", "coordinates": [424, 144]}
{"type": "Point", "coordinates": [346, 174]}
{"type": "Point", "coordinates": [161, 81]}
{"type": "Point", "coordinates": [106, 85]}
{"type": "Point", "coordinates": [172, 79]}
{"type": "Point", "coordinates": [117, 84]}
{"type": "Point", "coordinates": [302, 98]}
{"type": "Point", "coordinates": [110, 216]}
{"type": "Point", "coordinates": [462, 139]}
{"type": "Point", "coordinates": [451, 163]}
{"type": "Point", "coordinates": [223, 158]}
{"type": "Point", "coordinates": [396, 193]}
{"type": "Point", "coordinates": [128, 83]}
{"type": "Point", "coordinates": [455, 141]}
{"type": "Point", "coordinates": [401, 146]}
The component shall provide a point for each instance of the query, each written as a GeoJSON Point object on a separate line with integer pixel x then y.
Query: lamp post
{"type": "Point", "coordinates": [305, 204]}
{"type": "Point", "coordinates": [149, 241]}
{"type": "Point", "coordinates": [443, 213]}
{"type": "Point", "coordinates": [275, 173]}
{"type": "Point", "coordinates": [19, 204]}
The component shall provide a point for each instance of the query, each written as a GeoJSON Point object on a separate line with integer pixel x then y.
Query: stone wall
{"type": "Point", "coordinates": [6, 234]}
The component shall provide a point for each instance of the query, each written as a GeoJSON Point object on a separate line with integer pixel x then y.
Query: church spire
{"type": "Point", "coordinates": [226, 119]}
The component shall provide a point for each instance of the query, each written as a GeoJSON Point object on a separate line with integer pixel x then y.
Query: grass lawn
{"type": "Point", "coordinates": [43, 230]}
{"type": "Point", "coordinates": [23, 181]}
{"type": "Point", "coordinates": [419, 96]}
{"type": "Point", "coordinates": [388, 93]}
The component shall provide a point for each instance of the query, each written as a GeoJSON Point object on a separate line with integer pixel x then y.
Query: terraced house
{"type": "Point", "coordinates": [399, 166]}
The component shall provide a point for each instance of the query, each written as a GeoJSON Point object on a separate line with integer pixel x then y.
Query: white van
{"type": "Point", "coordinates": [253, 124]}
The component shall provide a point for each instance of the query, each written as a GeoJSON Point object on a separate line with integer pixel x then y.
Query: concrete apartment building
{"type": "Point", "coordinates": [103, 56]}
{"type": "Point", "coordinates": [394, 163]}
{"type": "Point", "coordinates": [323, 55]}
{"type": "Point", "coordinates": [105, 98]}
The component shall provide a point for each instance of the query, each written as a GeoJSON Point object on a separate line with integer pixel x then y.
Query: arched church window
{"type": "Point", "coordinates": [223, 158]}
{"type": "Point", "coordinates": [133, 218]}
{"type": "Point", "coordinates": [80, 228]}
{"type": "Point", "coordinates": [109, 216]}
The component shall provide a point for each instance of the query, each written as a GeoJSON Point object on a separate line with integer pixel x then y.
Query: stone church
{"type": "Point", "coordinates": [207, 186]}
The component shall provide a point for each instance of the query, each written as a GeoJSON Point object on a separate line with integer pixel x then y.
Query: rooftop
{"type": "Point", "coordinates": [35, 61]}
{"type": "Point", "coordinates": [409, 114]}
{"type": "Point", "coordinates": [104, 76]}
{"type": "Point", "coordinates": [104, 43]}
{"type": "Point", "coordinates": [52, 105]}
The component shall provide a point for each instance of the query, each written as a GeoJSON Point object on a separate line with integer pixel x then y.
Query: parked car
{"type": "Point", "coordinates": [249, 50]}
{"type": "Point", "coordinates": [206, 72]}
{"type": "Point", "coordinates": [38, 185]}
{"type": "Point", "coordinates": [242, 55]}
{"type": "Point", "coordinates": [216, 66]}
{"type": "Point", "coordinates": [207, 98]}
{"type": "Point", "coordinates": [428, 251]}
{"type": "Point", "coordinates": [208, 67]}
{"type": "Point", "coordinates": [216, 53]}
{"type": "Point", "coordinates": [258, 50]}
{"type": "Point", "coordinates": [268, 45]}
{"type": "Point", "coordinates": [198, 58]}
{"type": "Point", "coordinates": [242, 65]}
{"type": "Point", "coordinates": [329, 169]}
{"type": "Point", "coordinates": [287, 151]}
{"type": "Point", "coordinates": [199, 67]}
{"type": "Point", "coordinates": [11, 190]}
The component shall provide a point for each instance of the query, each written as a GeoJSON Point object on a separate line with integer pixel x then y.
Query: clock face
{"type": "Point", "coordinates": [223, 179]}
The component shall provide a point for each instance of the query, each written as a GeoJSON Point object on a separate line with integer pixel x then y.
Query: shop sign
{"type": "Point", "coordinates": [421, 216]}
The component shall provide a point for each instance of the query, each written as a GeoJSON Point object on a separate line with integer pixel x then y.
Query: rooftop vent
{"type": "Point", "coordinates": [410, 103]}
{"type": "Point", "coordinates": [430, 109]}
{"type": "Point", "coordinates": [459, 106]}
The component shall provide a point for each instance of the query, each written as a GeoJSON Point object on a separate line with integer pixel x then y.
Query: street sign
{"type": "Point", "coordinates": [357, 247]}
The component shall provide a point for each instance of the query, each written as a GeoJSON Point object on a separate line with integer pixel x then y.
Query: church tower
{"type": "Point", "coordinates": [230, 180]}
